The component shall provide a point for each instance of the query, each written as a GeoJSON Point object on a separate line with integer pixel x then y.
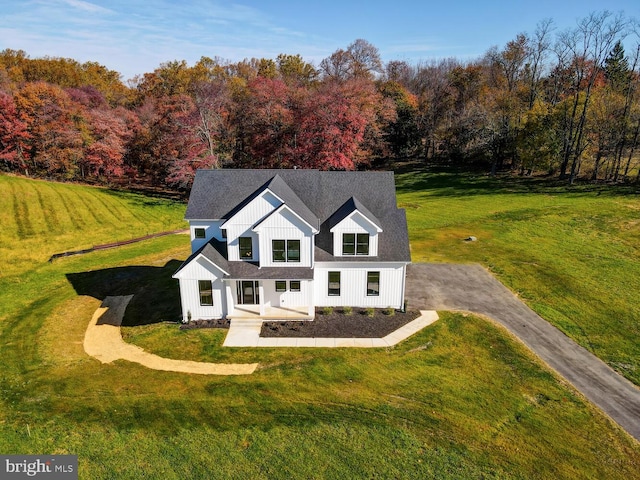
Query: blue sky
{"type": "Point", "coordinates": [136, 36]}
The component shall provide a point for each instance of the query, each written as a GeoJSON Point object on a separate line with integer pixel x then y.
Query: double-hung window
{"type": "Point", "coordinates": [206, 293]}
{"type": "Point", "coordinates": [373, 284]}
{"type": "Point", "coordinates": [246, 248]}
{"type": "Point", "coordinates": [334, 284]}
{"type": "Point", "coordinates": [199, 233]}
{"type": "Point", "coordinates": [286, 250]}
{"type": "Point", "coordinates": [355, 244]}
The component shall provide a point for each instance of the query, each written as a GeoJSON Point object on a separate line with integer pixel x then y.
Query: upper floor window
{"type": "Point", "coordinates": [246, 247]}
{"type": "Point", "coordinates": [355, 244]}
{"type": "Point", "coordinates": [286, 250]}
{"type": "Point", "coordinates": [199, 233]}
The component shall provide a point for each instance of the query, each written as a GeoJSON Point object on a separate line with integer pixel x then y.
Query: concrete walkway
{"type": "Point", "coordinates": [471, 288]}
{"type": "Point", "coordinates": [246, 333]}
{"type": "Point", "coordinates": [103, 341]}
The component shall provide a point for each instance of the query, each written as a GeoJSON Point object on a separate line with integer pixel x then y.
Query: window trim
{"type": "Point", "coordinates": [349, 245]}
{"type": "Point", "coordinates": [205, 292]}
{"type": "Point", "coordinates": [285, 251]}
{"type": "Point", "coordinates": [289, 258]}
{"type": "Point", "coordinates": [274, 250]}
{"type": "Point", "coordinates": [354, 244]}
{"type": "Point", "coordinates": [240, 248]}
{"type": "Point", "coordinates": [359, 243]}
{"type": "Point", "coordinates": [199, 232]}
{"type": "Point", "coordinates": [333, 292]}
{"type": "Point", "coordinates": [370, 282]}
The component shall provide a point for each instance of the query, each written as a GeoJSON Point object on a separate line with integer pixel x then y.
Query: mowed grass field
{"type": "Point", "coordinates": [461, 399]}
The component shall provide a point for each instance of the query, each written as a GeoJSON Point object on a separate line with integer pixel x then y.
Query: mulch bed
{"type": "Point", "coordinates": [217, 323]}
{"type": "Point", "coordinates": [339, 325]}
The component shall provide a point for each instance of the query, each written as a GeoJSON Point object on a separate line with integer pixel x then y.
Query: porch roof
{"type": "Point", "coordinates": [251, 271]}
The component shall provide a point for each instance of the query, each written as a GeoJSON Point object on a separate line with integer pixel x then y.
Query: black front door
{"type": "Point", "coordinates": [248, 292]}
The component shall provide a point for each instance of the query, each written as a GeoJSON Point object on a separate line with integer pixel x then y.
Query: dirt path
{"type": "Point", "coordinates": [473, 289]}
{"type": "Point", "coordinates": [103, 341]}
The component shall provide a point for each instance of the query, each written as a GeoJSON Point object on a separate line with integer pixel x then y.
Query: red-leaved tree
{"type": "Point", "coordinates": [14, 136]}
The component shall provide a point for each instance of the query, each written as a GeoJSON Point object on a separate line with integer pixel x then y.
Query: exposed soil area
{"type": "Point", "coordinates": [360, 323]}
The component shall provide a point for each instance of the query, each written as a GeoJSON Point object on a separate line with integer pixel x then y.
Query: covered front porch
{"type": "Point", "coordinates": [270, 299]}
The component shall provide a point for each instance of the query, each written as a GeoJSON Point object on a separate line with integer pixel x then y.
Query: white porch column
{"type": "Point", "coordinates": [229, 296]}
{"type": "Point", "coordinates": [310, 298]}
{"type": "Point", "coordinates": [262, 299]}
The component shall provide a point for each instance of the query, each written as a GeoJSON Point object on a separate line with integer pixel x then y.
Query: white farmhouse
{"type": "Point", "coordinates": [278, 243]}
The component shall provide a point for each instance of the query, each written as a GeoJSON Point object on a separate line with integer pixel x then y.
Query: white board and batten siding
{"type": "Point", "coordinates": [353, 284]}
{"type": "Point", "coordinates": [355, 223]}
{"type": "Point", "coordinates": [211, 230]}
{"type": "Point", "coordinates": [201, 269]}
{"type": "Point", "coordinates": [288, 298]}
{"type": "Point", "coordinates": [284, 225]}
{"type": "Point", "coordinates": [241, 224]}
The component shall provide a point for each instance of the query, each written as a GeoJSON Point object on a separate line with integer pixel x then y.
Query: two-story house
{"type": "Point", "coordinates": [267, 240]}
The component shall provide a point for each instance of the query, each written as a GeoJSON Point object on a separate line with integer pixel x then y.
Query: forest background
{"type": "Point", "coordinates": [565, 104]}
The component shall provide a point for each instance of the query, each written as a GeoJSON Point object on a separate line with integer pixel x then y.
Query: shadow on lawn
{"type": "Point", "coordinates": [156, 296]}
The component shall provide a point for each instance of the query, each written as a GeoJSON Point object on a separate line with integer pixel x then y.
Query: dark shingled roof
{"type": "Point", "coordinates": [312, 194]}
{"type": "Point", "coordinates": [348, 208]}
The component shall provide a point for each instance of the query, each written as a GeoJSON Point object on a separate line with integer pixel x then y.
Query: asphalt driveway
{"type": "Point", "coordinates": [471, 288]}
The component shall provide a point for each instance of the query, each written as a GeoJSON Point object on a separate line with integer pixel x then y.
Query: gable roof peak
{"type": "Point", "coordinates": [350, 206]}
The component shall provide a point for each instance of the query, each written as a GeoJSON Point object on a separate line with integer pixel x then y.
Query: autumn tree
{"type": "Point", "coordinates": [361, 59]}
{"type": "Point", "coordinates": [14, 136]}
{"type": "Point", "coordinates": [265, 124]}
{"type": "Point", "coordinates": [294, 69]}
{"type": "Point", "coordinates": [583, 51]}
{"type": "Point", "coordinates": [55, 144]}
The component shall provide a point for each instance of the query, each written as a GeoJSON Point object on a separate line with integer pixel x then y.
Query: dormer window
{"type": "Point", "coordinates": [355, 244]}
{"type": "Point", "coordinates": [246, 248]}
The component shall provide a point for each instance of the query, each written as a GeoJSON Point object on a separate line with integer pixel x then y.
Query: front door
{"type": "Point", "coordinates": [248, 292]}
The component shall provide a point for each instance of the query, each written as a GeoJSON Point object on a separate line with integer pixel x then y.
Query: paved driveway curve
{"type": "Point", "coordinates": [472, 288]}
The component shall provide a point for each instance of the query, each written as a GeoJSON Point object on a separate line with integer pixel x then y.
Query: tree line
{"type": "Point", "coordinates": [565, 103]}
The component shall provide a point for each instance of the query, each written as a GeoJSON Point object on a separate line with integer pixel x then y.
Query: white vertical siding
{"type": "Point", "coordinates": [233, 242]}
{"type": "Point", "coordinates": [287, 298]}
{"type": "Point", "coordinates": [201, 269]}
{"type": "Point", "coordinates": [355, 223]}
{"type": "Point", "coordinates": [190, 297]}
{"type": "Point", "coordinates": [284, 225]}
{"type": "Point", "coordinates": [211, 230]}
{"type": "Point", "coordinates": [353, 285]}
{"type": "Point", "coordinates": [242, 222]}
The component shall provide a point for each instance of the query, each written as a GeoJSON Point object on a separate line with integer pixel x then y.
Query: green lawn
{"type": "Point", "coordinates": [461, 399]}
{"type": "Point", "coordinates": [572, 254]}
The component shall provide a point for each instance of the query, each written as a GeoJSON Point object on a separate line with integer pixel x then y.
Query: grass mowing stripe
{"type": "Point", "coordinates": [21, 212]}
{"type": "Point", "coordinates": [111, 208]}
{"type": "Point", "coordinates": [48, 212]}
{"type": "Point", "coordinates": [77, 223]}
{"type": "Point", "coordinates": [82, 197]}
